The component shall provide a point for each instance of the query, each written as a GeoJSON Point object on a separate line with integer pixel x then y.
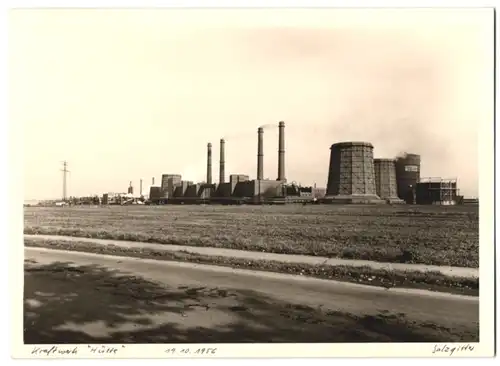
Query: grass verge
{"type": "Point", "coordinates": [379, 247]}
{"type": "Point", "coordinates": [433, 281]}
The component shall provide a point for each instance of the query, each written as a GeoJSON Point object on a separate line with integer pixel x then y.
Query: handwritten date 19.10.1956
{"type": "Point", "coordinates": [189, 351]}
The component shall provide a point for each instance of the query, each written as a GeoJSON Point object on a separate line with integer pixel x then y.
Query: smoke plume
{"type": "Point", "coordinates": [269, 126]}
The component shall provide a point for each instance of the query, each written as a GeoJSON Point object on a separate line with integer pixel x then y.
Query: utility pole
{"type": "Point", "coordinates": [64, 170]}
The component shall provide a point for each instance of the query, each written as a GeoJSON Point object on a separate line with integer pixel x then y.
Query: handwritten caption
{"type": "Point", "coordinates": [451, 350]}
{"type": "Point", "coordinates": [103, 350]}
{"type": "Point", "coordinates": [191, 351]}
{"type": "Point", "coordinates": [76, 350]}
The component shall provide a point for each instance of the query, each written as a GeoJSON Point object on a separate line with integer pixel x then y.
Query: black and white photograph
{"type": "Point", "coordinates": [198, 179]}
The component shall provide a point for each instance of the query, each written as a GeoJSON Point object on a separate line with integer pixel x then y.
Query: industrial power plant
{"type": "Point", "coordinates": [354, 176]}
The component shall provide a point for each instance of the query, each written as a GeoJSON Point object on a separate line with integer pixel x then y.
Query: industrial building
{"type": "Point", "coordinates": [386, 181]}
{"type": "Point", "coordinates": [436, 191]}
{"type": "Point", "coordinates": [408, 175]}
{"type": "Point", "coordinates": [354, 176]}
{"type": "Point", "coordinates": [240, 188]}
{"type": "Point", "coordinates": [351, 175]}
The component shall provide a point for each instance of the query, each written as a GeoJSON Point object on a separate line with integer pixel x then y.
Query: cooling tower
{"type": "Point", "coordinates": [407, 176]}
{"type": "Point", "coordinates": [281, 152]}
{"type": "Point", "coordinates": [260, 153]}
{"type": "Point", "coordinates": [209, 163]}
{"type": "Point", "coordinates": [222, 168]}
{"type": "Point", "coordinates": [351, 176]}
{"type": "Point", "coordinates": [385, 180]}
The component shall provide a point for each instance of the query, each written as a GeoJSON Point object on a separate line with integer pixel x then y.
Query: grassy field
{"type": "Point", "coordinates": [406, 234]}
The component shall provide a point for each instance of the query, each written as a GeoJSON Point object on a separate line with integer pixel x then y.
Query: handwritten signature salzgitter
{"type": "Point", "coordinates": [452, 349]}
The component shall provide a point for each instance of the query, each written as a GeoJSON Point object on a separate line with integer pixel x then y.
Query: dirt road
{"type": "Point", "coordinates": [75, 297]}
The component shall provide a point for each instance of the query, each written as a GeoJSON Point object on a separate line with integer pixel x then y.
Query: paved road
{"type": "Point", "coordinates": [291, 258]}
{"type": "Point", "coordinates": [75, 297]}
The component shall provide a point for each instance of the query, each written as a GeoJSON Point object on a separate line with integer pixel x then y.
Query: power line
{"type": "Point", "coordinates": [64, 170]}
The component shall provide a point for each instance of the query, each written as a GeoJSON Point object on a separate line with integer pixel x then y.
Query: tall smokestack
{"type": "Point", "coordinates": [222, 166]}
{"type": "Point", "coordinates": [209, 163]}
{"type": "Point", "coordinates": [140, 187]}
{"type": "Point", "coordinates": [260, 154]}
{"type": "Point", "coordinates": [153, 181]}
{"type": "Point", "coordinates": [281, 152]}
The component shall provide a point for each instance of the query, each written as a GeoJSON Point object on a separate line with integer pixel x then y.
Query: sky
{"type": "Point", "coordinates": [128, 94]}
